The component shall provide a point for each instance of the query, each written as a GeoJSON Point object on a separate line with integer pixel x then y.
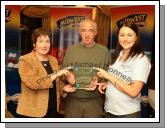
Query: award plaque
{"type": "Point", "coordinates": [83, 76]}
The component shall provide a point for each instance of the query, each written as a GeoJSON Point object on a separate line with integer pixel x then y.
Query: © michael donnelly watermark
{"type": "Point", "coordinates": [42, 78]}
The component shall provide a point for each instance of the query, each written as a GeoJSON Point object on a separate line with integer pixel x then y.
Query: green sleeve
{"type": "Point", "coordinates": [66, 58]}
{"type": "Point", "coordinates": [65, 64]}
{"type": "Point", "coordinates": [107, 60]}
{"type": "Point", "coordinates": [106, 65]}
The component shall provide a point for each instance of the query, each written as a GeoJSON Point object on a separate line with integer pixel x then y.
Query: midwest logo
{"type": "Point", "coordinates": [138, 19]}
{"type": "Point", "coordinates": [70, 20]}
{"type": "Point", "coordinates": [8, 15]}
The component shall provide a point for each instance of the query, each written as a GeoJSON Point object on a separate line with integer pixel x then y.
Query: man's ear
{"type": "Point", "coordinates": [80, 32]}
{"type": "Point", "coordinates": [95, 32]}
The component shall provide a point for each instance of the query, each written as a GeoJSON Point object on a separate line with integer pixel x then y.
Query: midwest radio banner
{"type": "Point", "coordinates": [64, 26]}
{"type": "Point", "coordinates": [143, 16]}
{"type": "Point", "coordinates": [12, 54]}
{"type": "Point", "coordinates": [12, 36]}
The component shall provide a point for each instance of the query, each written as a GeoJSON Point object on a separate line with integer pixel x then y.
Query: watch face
{"type": "Point", "coordinates": [83, 76]}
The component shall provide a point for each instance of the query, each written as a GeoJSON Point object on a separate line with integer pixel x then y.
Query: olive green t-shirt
{"type": "Point", "coordinates": [83, 59]}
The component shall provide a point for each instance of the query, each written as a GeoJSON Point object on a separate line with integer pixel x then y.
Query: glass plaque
{"type": "Point", "coordinates": [83, 76]}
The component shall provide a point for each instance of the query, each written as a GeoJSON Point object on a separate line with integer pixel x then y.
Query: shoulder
{"type": "Point", "coordinates": [28, 56]}
{"type": "Point", "coordinates": [53, 61]}
{"type": "Point", "coordinates": [74, 46]}
{"type": "Point", "coordinates": [71, 47]}
{"type": "Point", "coordinates": [27, 60]}
{"type": "Point", "coordinates": [52, 57]}
{"type": "Point", "coordinates": [142, 59]}
{"type": "Point", "coordinates": [102, 48]}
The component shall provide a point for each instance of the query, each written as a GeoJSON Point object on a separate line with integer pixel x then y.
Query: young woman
{"type": "Point", "coordinates": [126, 75]}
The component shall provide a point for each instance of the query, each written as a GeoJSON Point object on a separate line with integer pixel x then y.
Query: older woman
{"type": "Point", "coordinates": [38, 71]}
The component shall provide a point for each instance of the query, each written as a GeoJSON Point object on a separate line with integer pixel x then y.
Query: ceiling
{"type": "Point", "coordinates": [107, 8]}
{"type": "Point", "coordinates": [39, 10]}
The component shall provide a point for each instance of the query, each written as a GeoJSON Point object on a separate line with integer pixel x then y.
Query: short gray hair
{"type": "Point", "coordinates": [89, 20]}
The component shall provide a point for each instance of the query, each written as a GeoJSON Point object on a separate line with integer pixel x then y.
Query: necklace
{"type": "Point", "coordinates": [44, 63]}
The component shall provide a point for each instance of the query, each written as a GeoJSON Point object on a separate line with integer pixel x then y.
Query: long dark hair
{"type": "Point", "coordinates": [135, 50]}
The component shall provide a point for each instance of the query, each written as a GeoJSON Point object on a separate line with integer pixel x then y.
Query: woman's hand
{"type": "Point", "coordinates": [61, 72]}
{"type": "Point", "coordinates": [101, 73]}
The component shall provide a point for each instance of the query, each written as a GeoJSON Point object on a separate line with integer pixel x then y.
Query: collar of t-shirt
{"type": "Point", "coordinates": [90, 45]}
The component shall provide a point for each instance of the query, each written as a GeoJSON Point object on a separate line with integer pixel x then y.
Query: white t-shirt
{"type": "Point", "coordinates": [136, 68]}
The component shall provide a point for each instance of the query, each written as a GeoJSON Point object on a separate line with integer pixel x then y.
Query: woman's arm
{"type": "Point", "coordinates": [133, 89]}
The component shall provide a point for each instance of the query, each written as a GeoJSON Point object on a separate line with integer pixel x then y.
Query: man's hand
{"type": "Point", "coordinates": [69, 88]}
{"type": "Point", "coordinates": [71, 78]}
{"type": "Point", "coordinates": [92, 86]}
{"type": "Point", "coordinates": [101, 87]}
